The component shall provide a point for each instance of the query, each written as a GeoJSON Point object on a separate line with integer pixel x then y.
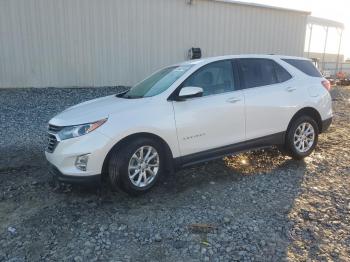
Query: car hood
{"type": "Point", "coordinates": [94, 110]}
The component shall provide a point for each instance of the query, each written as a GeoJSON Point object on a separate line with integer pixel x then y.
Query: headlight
{"type": "Point", "coordinates": [79, 130]}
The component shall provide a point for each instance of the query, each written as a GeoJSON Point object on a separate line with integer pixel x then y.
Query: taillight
{"type": "Point", "coordinates": [326, 84]}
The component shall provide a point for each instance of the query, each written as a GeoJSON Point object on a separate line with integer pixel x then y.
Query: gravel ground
{"type": "Point", "coordinates": [257, 206]}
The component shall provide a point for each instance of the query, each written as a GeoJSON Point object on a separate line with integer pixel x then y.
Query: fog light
{"type": "Point", "coordinates": [81, 162]}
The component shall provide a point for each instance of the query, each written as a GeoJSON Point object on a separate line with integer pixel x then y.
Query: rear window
{"type": "Point", "coordinates": [304, 66]}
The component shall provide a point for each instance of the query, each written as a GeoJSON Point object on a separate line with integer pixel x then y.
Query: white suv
{"type": "Point", "coordinates": [189, 113]}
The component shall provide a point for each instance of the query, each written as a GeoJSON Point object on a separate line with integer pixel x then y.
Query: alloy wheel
{"type": "Point", "coordinates": [304, 137]}
{"type": "Point", "coordinates": [143, 166]}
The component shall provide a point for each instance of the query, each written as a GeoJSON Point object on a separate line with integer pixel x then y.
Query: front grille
{"type": "Point", "coordinates": [51, 143]}
{"type": "Point", "coordinates": [54, 129]}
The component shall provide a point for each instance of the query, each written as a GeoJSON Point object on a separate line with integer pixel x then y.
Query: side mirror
{"type": "Point", "coordinates": [190, 92]}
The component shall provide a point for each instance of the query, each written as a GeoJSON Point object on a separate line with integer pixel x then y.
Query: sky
{"type": "Point", "coordinates": [337, 10]}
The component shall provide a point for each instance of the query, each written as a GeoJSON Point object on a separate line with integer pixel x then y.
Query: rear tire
{"type": "Point", "coordinates": [137, 166]}
{"type": "Point", "coordinates": [301, 137]}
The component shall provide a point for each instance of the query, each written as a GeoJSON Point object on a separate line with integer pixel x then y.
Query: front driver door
{"type": "Point", "coordinates": [217, 118]}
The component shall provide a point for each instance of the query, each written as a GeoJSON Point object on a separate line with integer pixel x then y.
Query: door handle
{"type": "Point", "coordinates": [291, 89]}
{"type": "Point", "coordinates": [233, 100]}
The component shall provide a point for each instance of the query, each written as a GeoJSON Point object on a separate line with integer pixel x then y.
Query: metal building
{"type": "Point", "coordinates": [63, 43]}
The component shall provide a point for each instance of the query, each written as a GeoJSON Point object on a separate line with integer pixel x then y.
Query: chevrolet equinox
{"type": "Point", "coordinates": [189, 113]}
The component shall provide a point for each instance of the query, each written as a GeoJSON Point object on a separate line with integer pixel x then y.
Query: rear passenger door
{"type": "Point", "coordinates": [269, 96]}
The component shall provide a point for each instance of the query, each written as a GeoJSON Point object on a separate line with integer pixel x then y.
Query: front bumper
{"type": "Point", "coordinates": [95, 179]}
{"type": "Point", "coordinates": [63, 158]}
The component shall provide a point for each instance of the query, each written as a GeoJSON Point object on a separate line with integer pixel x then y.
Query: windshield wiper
{"type": "Point", "coordinates": [124, 95]}
{"type": "Point", "coordinates": [121, 94]}
{"type": "Point", "coordinates": [132, 97]}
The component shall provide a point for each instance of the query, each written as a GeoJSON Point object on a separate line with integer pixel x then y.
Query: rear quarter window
{"type": "Point", "coordinates": [304, 66]}
{"type": "Point", "coordinates": [281, 73]}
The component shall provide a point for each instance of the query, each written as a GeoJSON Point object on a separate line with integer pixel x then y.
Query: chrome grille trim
{"type": "Point", "coordinates": [52, 139]}
{"type": "Point", "coordinates": [54, 129]}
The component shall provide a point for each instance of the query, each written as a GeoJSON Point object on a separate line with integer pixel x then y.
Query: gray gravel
{"type": "Point", "coordinates": [257, 206]}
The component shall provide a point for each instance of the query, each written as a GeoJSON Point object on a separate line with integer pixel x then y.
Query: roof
{"type": "Point", "coordinates": [263, 6]}
{"type": "Point", "coordinates": [218, 58]}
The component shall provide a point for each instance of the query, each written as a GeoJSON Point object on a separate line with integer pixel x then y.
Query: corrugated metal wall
{"type": "Point", "coordinates": [118, 42]}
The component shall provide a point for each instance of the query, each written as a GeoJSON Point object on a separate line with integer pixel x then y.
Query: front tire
{"type": "Point", "coordinates": [302, 137]}
{"type": "Point", "coordinates": [136, 167]}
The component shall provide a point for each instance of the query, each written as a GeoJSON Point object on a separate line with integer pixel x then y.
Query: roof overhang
{"type": "Point", "coordinates": [324, 22]}
{"type": "Point", "coordinates": [263, 6]}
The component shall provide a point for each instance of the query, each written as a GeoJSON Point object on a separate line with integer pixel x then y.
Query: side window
{"type": "Point", "coordinates": [258, 72]}
{"type": "Point", "coordinates": [214, 78]}
{"type": "Point", "coordinates": [281, 73]}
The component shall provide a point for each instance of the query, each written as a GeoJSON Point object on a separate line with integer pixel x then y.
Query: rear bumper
{"type": "Point", "coordinates": [326, 124]}
{"type": "Point", "coordinates": [94, 179]}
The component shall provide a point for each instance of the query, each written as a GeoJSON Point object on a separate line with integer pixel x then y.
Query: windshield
{"type": "Point", "coordinates": [157, 83]}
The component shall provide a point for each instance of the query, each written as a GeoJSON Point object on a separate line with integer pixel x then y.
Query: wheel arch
{"type": "Point", "coordinates": [309, 111]}
{"type": "Point", "coordinates": [125, 140]}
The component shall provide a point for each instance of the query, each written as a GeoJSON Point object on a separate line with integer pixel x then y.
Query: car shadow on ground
{"type": "Point", "coordinates": [226, 172]}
